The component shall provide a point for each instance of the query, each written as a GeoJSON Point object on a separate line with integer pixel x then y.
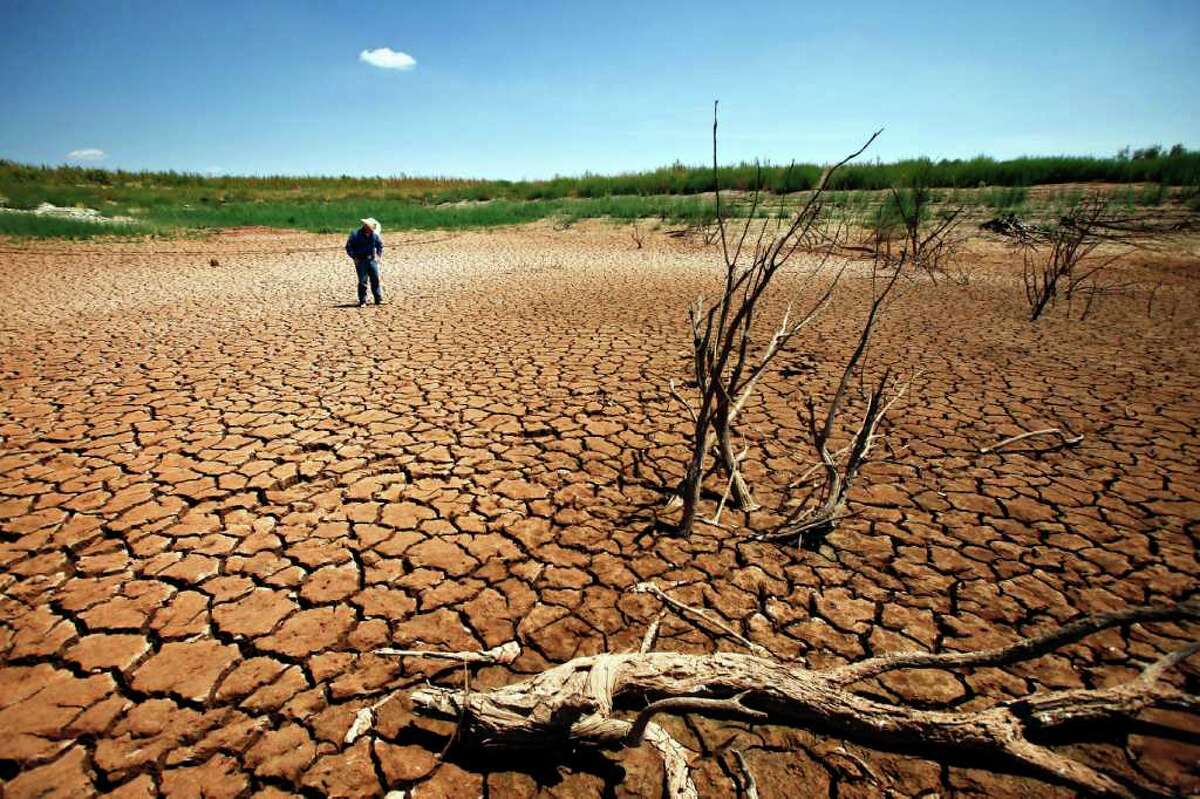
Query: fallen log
{"type": "Point", "coordinates": [576, 704]}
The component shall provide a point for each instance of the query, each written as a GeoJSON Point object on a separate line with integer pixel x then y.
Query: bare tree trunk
{"type": "Point", "coordinates": [691, 500]}
{"type": "Point", "coordinates": [730, 461]}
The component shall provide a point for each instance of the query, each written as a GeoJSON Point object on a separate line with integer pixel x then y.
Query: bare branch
{"type": "Point", "coordinates": [686, 405]}
{"type": "Point", "coordinates": [462, 715]}
{"type": "Point", "coordinates": [651, 637]}
{"type": "Point", "coordinates": [675, 763]}
{"type": "Point", "coordinates": [1067, 440]}
{"type": "Point", "coordinates": [503, 654]}
{"type": "Point", "coordinates": [749, 785]}
{"type": "Point", "coordinates": [1053, 254]}
{"type": "Point", "coordinates": [733, 706]}
{"type": "Point", "coordinates": [688, 610]}
{"type": "Point", "coordinates": [815, 524]}
{"type": "Point", "coordinates": [722, 337]}
{"type": "Point", "coordinates": [1023, 649]}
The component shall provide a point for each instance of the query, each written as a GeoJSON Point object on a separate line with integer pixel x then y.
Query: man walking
{"type": "Point", "coordinates": [365, 247]}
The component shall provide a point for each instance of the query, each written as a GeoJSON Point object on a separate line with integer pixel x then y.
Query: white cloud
{"type": "Point", "coordinates": [86, 154]}
{"type": "Point", "coordinates": [387, 58]}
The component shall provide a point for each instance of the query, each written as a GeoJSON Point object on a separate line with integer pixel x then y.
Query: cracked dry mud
{"type": "Point", "coordinates": [220, 491]}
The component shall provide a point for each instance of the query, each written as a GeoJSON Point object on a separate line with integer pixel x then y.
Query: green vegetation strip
{"type": "Point", "coordinates": [170, 203]}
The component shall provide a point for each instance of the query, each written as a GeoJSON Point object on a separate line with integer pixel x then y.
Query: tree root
{"type": "Point", "coordinates": [574, 704]}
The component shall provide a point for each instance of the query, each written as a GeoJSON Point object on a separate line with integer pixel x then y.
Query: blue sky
{"type": "Point", "coordinates": [531, 89]}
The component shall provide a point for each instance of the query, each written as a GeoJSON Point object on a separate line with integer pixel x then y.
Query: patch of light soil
{"type": "Point", "coordinates": [80, 214]}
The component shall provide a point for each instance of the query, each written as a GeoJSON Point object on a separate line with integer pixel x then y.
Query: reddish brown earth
{"type": "Point", "coordinates": [220, 490]}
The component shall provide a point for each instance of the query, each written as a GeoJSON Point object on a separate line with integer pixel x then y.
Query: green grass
{"type": "Point", "coordinates": [329, 217]}
{"type": "Point", "coordinates": [25, 186]}
{"type": "Point", "coordinates": [1153, 195]}
{"type": "Point", "coordinates": [1006, 200]}
{"type": "Point", "coordinates": [336, 216]}
{"type": "Point", "coordinates": [171, 202]}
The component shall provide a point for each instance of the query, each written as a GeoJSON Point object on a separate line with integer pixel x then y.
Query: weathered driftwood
{"type": "Point", "coordinates": [576, 704]}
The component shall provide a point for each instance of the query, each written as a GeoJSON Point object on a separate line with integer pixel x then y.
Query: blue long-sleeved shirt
{"type": "Point", "coordinates": [360, 246]}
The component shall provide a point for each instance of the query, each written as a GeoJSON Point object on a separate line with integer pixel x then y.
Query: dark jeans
{"type": "Point", "coordinates": [368, 269]}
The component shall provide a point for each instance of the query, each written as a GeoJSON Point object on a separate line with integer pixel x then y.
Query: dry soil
{"type": "Point", "coordinates": [222, 486]}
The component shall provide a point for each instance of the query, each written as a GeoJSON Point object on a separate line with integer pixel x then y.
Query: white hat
{"type": "Point", "coordinates": [373, 222]}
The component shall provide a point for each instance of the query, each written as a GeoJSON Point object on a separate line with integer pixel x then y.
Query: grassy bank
{"type": "Point", "coordinates": [24, 186]}
{"type": "Point", "coordinates": [339, 216]}
{"type": "Point", "coordinates": [400, 214]}
{"type": "Point", "coordinates": [326, 217]}
{"type": "Point", "coordinates": [1182, 168]}
{"type": "Point", "coordinates": [170, 203]}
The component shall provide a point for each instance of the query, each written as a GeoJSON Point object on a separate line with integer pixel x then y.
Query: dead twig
{"type": "Point", "coordinates": [364, 720]}
{"type": "Point", "coordinates": [682, 609]}
{"type": "Point", "coordinates": [1067, 439]}
{"type": "Point", "coordinates": [812, 527]}
{"type": "Point", "coordinates": [651, 636]}
{"type": "Point", "coordinates": [503, 654]}
{"type": "Point", "coordinates": [733, 706]}
{"type": "Point", "coordinates": [638, 235]}
{"type": "Point", "coordinates": [454, 736]}
{"type": "Point", "coordinates": [748, 785]}
{"type": "Point", "coordinates": [1054, 255]}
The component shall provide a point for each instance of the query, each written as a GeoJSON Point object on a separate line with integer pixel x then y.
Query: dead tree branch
{"type": "Point", "coordinates": [722, 331]}
{"type": "Point", "coordinates": [638, 235]}
{"type": "Point", "coordinates": [931, 243]}
{"type": "Point", "coordinates": [1063, 257]}
{"type": "Point", "coordinates": [687, 611]}
{"type": "Point", "coordinates": [748, 784]}
{"type": "Point", "coordinates": [503, 654]}
{"type": "Point", "coordinates": [1067, 439]}
{"type": "Point", "coordinates": [575, 704]}
{"type": "Point", "coordinates": [815, 524]}
{"type": "Point", "coordinates": [651, 636]}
